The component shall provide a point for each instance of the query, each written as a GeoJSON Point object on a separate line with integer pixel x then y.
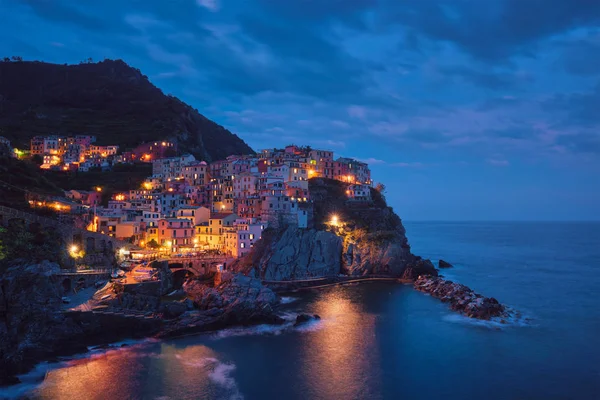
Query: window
{"type": "Point", "coordinates": [243, 245]}
{"type": "Point", "coordinates": [251, 236]}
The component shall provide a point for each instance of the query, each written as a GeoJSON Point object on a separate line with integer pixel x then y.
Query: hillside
{"type": "Point", "coordinates": [108, 99]}
{"type": "Point", "coordinates": [18, 177]}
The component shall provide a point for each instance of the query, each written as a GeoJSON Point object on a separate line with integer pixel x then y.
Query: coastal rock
{"type": "Point", "coordinates": [300, 254]}
{"type": "Point", "coordinates": [173, 309]}
{"type": "Point", "coordinates": [461, 298]}
{"type": "Point", "coordinates": [305, 318]}
{"type": "Point", "coordinates": [419, 267]}
{"type": "Point", "coordinates": [238, 300]}
{"type": "Point", "coordinates": [444, 264]}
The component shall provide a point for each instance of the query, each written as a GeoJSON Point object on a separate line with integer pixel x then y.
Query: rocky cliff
{"type": "Point", "coordinates": [298, 254]}
{"type": "Point", "coordinates": [369, 240]}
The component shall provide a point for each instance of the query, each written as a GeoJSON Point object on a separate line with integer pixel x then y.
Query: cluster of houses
{"type": "Point", "coordinates": [72, 153]}
{"type": "Point", "coordinates": [189, 205]}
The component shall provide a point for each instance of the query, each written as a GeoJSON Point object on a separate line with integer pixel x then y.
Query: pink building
{"type": "Point", "coordinates": [175, 232]}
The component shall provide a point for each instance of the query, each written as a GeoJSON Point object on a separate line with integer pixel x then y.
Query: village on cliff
{"type": "Point", "coordinates": [190, 207]}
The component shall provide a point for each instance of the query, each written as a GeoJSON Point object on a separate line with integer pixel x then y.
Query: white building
{"type": "Point", "coordinates": [172, 167]}
{"type": "Point", "coordinates": [240, 238]}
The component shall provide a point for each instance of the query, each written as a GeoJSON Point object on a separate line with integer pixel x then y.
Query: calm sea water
{"type": "Point", "coordinates": [385, 341]}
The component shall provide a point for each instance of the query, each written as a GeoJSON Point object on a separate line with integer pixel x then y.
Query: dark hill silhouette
{"type": "Point", "coordinates": [109, 99]}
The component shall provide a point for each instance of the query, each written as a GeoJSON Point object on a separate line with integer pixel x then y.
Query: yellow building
{"type": "Point", "coordinates": [212, 235]}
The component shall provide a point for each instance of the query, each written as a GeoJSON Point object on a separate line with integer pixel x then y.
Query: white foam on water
{"type": "Point", "coordinates": [288, 300]}
{"type": "Point", "coordinates": [221, 376]}
{"type": "Point", "coordinates": [311, 326]}
{"type": "Point", "coordinates": [200, 363]}
{"type": "Point", "coordinates": [288, 316]}
{"type": "Point", "coordinates": [29, 381]}
{"type": "Point", "coordinates": [263, 329]}
{"type": "Point", "coordinates": [497, 323]}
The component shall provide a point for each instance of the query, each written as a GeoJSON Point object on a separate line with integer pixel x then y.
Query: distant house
{"type": "Point", "coordinates": [359, 193]}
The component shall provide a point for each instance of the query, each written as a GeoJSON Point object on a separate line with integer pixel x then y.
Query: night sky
{"type": "Point", "coordinates": [466, 110]}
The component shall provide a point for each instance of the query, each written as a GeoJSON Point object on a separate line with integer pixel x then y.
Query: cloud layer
{"type": "Point", "coordinates": [430, 86]}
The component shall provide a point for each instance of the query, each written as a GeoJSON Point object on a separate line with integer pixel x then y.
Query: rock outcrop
{"type": "Point", "coordinates": [302, 319]}
{"type": "Point", "coordinates": [299, 254]}
{"type": "Point", "coordinates": [444, 264]}
{"type": "Point", "coordinates": [461, 298]}
{"type": "Point", "coordinates": [238, 300]}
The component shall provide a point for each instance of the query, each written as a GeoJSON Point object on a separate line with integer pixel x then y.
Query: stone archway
{"type": "Point", "coordinates": [180, 276]}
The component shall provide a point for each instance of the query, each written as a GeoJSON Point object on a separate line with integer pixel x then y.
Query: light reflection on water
{"type": "Point", "coordinates": [142, 371]}
{"type": "Point", "coordinates": [336, 359]}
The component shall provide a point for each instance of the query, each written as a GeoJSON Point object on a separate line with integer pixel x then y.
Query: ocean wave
{"type": "Point", "coordinates": [200, 363]}
{"type": "Point", "coordinates": [29, 381]}
{"type": "Point", "coordinates": [264, 329]}
{"type": "Point", "coordinates": [515, 319]}
{"type": "Point", "coordinates": [311, 326]}
{"type": "Point", "coordinates": [221, 376]}
{"type": "Point", "coordinates": [288, 299]}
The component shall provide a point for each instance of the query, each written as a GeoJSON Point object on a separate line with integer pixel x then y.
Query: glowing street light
{"type": "Point", "coordinates": [74, 249]}
{"type": "Point", "coordinates": [334, 220]}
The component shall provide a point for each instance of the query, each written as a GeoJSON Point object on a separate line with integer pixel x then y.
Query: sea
{"type": "Point", "coordinates": [383, 340]}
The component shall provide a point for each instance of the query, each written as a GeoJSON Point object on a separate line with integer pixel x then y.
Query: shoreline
{"type": "Point", "coordinates": [167, 328]}
{"type": "Point", "coordinates": [317, 283]}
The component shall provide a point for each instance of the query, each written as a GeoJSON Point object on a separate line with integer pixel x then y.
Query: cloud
{"type": "Point", "coordinates": [408, 164]}
{"type": "Point", "coordinates": [370, 160]}
{"type": "Point", "coordinates": [357, 112]}
{"type": "Point", "coordinates": [497, 162]}
{"type": "Point", "coordinates": [486, 78]}
{"type": "Point", "coordinates": [340, 124]}
{"type": "Point", "coordinates": [212, 5]}
{"type": "Point", "coordinates": [494, 30]}
{"type": "Point", "coordinates": [57, 11]}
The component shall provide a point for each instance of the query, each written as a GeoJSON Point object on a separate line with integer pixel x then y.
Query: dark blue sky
{"type": "Point", "coordinates": [474, 109]}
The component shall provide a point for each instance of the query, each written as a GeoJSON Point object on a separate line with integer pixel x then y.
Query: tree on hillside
{"type": "Point", "coordinates": [380, 187]}
{"type": "Point", "coordinates": [153, 244]}
{"type": "Point", "coordinates": [16, 58]}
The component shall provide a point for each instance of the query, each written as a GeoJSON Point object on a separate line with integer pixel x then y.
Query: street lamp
{"type": "Point", "coordinates": [73, 249]}
{"type": "Point", "coordinates": [334, 220]}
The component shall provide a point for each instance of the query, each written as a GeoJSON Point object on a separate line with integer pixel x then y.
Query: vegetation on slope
{"type": "Point", "coordinates": [19, 177]}
{"type": "Point", "coordinates": [110, 100]}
